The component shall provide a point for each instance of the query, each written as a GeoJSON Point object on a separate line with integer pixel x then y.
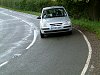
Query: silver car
{"type": "Point", "coordinates": [54, 20]}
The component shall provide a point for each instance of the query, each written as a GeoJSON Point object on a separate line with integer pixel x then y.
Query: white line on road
{"type": "Point", "coordinates": [89, 54]}
{"type": "Point", "coordinates": [30, 24]}
{"type": "Point", "coordinates": [35, 34]}
{"type": "Point", "coordinates": [34, 39]}
{"type": "Point", "coordinates": [3, 64]}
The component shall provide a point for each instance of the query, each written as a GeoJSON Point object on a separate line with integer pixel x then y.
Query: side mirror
{"type": "Point", "coordinates": [39, 17]}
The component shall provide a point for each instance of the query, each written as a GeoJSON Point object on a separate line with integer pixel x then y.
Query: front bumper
{"type": "Point", "coordinates": [56, 31]}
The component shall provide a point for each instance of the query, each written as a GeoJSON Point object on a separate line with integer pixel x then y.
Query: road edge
{"type": "Point", "coordinates": [89, 53]}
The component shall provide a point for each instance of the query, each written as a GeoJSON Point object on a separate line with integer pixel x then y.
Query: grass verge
{"type": "Point", "coordinates": [91, 26]}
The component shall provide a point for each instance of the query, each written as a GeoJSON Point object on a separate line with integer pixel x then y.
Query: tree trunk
{"type": "Point", "coordinates": [94, 9]}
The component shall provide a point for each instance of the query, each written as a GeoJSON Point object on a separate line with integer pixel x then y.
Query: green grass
{"type": "Point", "coordinates": [92, 26]}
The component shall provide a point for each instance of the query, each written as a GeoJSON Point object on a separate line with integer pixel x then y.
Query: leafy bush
{"type": "Point", "coordinates": [75, 9]}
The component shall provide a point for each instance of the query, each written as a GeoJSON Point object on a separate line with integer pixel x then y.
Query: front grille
{"type": "Point", "coordinates": [56, 24]}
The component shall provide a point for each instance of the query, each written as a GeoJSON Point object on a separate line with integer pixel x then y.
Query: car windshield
{"type": "Point", "coordinates": [54, 12]}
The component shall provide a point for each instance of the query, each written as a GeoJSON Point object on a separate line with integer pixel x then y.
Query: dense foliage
{"type": "Point", "coordinates": [75, 8]}
{"type": "Point", "coordinates": [31, 5]}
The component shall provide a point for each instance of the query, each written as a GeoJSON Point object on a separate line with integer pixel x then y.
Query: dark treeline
{"type": "Point", "coordinates": [76, 8]}
{"type": "Point", "coordinates": [28, 5]}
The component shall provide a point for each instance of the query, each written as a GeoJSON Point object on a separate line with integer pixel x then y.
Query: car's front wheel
{"type": "Point", "coordinates": [42, 35]}
{"type": "Point", "coordinates": [70, 32]}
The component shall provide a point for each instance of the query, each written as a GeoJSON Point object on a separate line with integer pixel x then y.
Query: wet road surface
{"type": "Point", "coordinates": [23, 52]}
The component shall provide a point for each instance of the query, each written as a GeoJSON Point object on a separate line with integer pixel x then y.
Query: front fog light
{"type": "Point", "coordinates": [66, 26]}
{"type": "Point", "coordinates": [45, 28]}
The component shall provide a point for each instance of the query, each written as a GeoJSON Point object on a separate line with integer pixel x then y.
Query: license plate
{"type": "Point", "coordinates": [56, 28]}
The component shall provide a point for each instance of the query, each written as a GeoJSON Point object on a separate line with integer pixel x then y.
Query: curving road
{"type": "Point", "coordinates": [23, 52]}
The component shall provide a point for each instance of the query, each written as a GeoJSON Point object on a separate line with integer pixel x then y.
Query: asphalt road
{"type": "Point", "coordinates": [23, 52]}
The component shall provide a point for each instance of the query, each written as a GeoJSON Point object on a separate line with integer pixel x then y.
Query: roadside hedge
{"type": "Point", "coordinates": [75, 9]}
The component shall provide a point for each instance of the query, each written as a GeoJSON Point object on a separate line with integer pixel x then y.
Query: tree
{"type": "Point", "coordinates": [23, 4]}
{"type": "Point", "coordinates": [94, 9]}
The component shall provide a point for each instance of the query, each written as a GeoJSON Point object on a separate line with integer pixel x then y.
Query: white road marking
{"type": "Point", "coordinates": [89, 54]}
{"type": "Point", "coordinates": [31, 44]}
{"type": "Point", "coordinates": [3, 64]}
{"type": "Point", "coordinates": [16, 55]}
{"type": "Point", "coordinates": [31, 25]}
{"type": "Point", "coordinates": [35, 34]}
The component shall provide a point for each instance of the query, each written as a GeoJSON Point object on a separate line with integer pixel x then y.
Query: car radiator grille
{"type": "Point", "coordinates": [56, 24]}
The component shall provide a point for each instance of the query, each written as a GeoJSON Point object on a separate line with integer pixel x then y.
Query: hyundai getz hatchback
{"type": "Point", "coordinates": [54, 20]}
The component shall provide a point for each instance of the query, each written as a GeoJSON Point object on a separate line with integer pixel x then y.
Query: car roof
{"type": "Point", "coordinates": [52, 7]}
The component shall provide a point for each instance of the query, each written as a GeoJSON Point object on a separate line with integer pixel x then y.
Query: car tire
{"type": "Point", "coordinates": [70, 32]}
{"type": "Point", "coordinates": [42, 35]}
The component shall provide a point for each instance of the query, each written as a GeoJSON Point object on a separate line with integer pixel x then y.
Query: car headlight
{"type": "Point", "coordinates": [44, 27]}
{"type": "Point", "coordinates": [69, 22]}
